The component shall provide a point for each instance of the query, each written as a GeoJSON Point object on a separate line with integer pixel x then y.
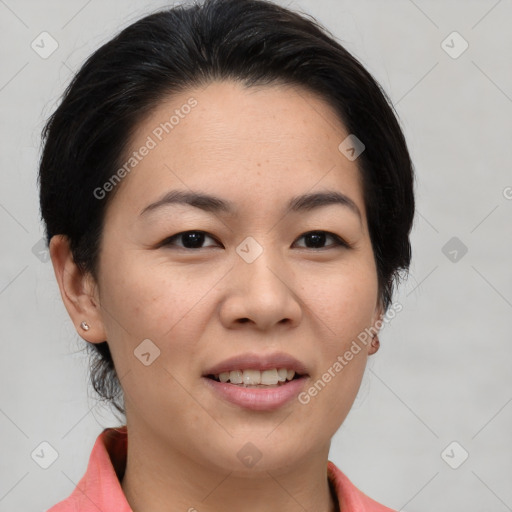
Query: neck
{"type": "Point", "coordinates": [159, 480]}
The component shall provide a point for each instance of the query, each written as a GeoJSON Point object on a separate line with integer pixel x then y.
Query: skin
{"type": "Point", "coordinates": [311, 301]}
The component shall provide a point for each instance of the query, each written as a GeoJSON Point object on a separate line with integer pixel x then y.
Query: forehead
{"type": "Point", "coordinates": [258, 145]}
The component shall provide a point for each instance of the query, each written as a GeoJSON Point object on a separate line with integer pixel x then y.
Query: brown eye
{"type": "Point", "coordinates": [189, 239]}
{"type": "Point", "coordinates": [318, 238]}
{"type": "Point", "coordinates": [195, 239]}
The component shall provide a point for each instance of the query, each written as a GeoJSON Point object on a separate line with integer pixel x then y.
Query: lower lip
{"type": "Point", "coordinates": [258, 399]}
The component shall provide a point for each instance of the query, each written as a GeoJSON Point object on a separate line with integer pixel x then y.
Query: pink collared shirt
{"type": "Point", "coordinates": [100, 487]}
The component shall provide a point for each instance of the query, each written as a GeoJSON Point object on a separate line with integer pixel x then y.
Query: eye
{"type": "Point", "coordinates": [190, 239]}
{"type": "Point", "coordinates": [317, 238]}
{"type": "Point", "coordinates": [195, 239]}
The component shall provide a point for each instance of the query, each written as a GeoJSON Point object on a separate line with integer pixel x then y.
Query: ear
{"type": "Point", "coordinates": [377, 323]}
{"type": "Point", "coordinates": [78, 291]}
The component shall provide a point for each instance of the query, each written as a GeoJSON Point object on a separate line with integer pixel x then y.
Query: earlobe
{"type": "Point", "coordinates": [376, 326]}
{"type": "Point", "coordinates": [374, 345]}
{"type": "Point", "coordinates": [77, 291]}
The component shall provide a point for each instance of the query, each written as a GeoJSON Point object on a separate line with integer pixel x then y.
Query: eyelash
{"type": "Point", "coordinates": [339, 242]}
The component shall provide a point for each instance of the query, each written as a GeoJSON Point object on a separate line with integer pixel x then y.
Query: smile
{"type": "Point", "coordinates": [256, 397]}
{"type": "Point", "coordinates": [253, 377]}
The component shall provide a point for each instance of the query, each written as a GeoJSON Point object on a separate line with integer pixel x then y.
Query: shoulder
{"type": "Point", "coordinates": [351, 499]}
{"type": "Point", "coordinates": [100, 488]}
{"type": "Point", "coordinates": [70, 504]}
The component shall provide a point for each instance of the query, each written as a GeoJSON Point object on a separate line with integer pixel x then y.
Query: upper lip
{"type": "Point", "coordinates": [256, 361]}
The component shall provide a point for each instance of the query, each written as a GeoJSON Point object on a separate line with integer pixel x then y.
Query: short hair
{"type": "Point", "coordinates": [253, 42]}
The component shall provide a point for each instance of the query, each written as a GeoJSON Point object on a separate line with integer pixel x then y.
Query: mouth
{"type": "Point", "coordinates": [255, 378]}
{"type": "Point", "coordinates": [257, 390]}
{"type": "Point", "coordinates": [254, 369]}
{"type": "Point", "coordinates": [257, 382]}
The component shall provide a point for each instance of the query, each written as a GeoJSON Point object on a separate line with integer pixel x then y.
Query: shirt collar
{"type": "Point", "coordinates": [100, 487]}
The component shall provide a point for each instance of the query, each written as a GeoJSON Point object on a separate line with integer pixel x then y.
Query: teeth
{"type": "Point", "coordinates": [236, 377]}
{"type": "Point", "coordinates": [269, 377]}
{"type": "Point", "coordinates": [224, 376]}
{"type": "Point", "coordinates": [282, 374]}
{"type": "Point", "coordinates": [251, 377]}
{"type": "Point", "coordinates": [256, 377]}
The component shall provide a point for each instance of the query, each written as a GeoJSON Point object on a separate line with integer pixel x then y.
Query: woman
{"type": "Point", "coordinates": [228, 199]}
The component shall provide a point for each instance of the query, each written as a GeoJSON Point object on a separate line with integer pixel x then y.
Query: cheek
{"type": "Point", "coordinates": [148, 299]}
{"type": "Point", "coordinates": [344, 298]}
{"type": "Point", "coordinates": [146, 302]}
{"type": "Point", "coordinates": [348, 315]}
{"type": "Point", "coordinates": [345, 306]}
{"type": "Point", "coordinates": [152, 300]}
{"type": "Point", "coordinates": [345, 311]}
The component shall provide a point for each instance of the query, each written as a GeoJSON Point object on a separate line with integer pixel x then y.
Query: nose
{"type": "Point", "coordinates": [261, 294]}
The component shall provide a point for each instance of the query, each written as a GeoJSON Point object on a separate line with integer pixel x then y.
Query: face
{"type": "Point", "coordinates": [268, 274]}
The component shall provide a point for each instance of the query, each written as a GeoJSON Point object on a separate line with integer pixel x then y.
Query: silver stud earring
{"type": "Point", "coordinates": [84, 326]}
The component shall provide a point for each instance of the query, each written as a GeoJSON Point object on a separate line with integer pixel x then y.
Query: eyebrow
{"type": "Point", "coordinates": [212, 204]}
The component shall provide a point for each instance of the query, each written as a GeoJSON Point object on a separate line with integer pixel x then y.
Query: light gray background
{"type": "Point", "coordinates": [443, 371]}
